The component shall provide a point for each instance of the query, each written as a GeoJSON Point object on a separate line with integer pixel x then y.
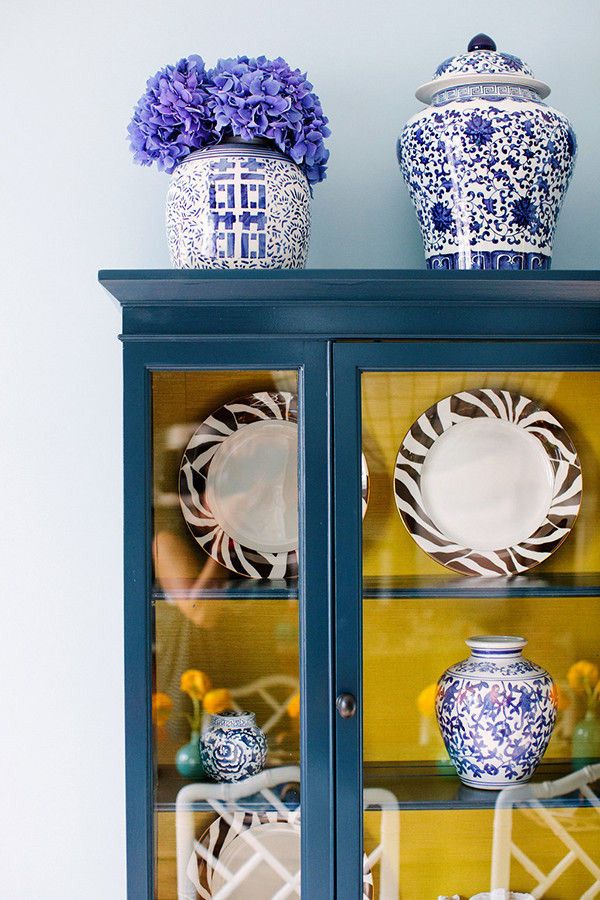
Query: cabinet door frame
{"type": "Point", "coordinates": [350, 360]}
{"type": "Point", "coordinates": [312, 361]}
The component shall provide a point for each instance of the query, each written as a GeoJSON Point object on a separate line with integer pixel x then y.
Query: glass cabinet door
{"type": "Point", "coordinates": [226, 553]}
{"type": "Point", "coordinates": [481, 521]}
{"type": "Point", "coordinates": [226, 662]}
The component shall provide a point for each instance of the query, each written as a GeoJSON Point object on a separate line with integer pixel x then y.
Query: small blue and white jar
{"type": "Point", "coordinates": [487, 163]}
{"type": "Point", "coordinates": [496, 711]}
{"type": "Point", "coordinates": [238, 205]}
{"type": "Point", "coordinates": [233, 748]}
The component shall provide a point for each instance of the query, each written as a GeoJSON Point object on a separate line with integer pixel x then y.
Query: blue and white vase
{"type": "Point", "coordinates": [233, 748]}
{"type": "Point", "coordinates": [238, 205]}
{"type": "Point", "coordinates": [487, 163]}
{"type": "Point", "coordinates": [496, 711]}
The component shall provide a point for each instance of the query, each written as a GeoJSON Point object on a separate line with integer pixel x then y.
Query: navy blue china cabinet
{"type": "Point", "coordinates": [308, 538]}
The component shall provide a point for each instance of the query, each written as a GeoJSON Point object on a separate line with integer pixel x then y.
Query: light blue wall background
{"type": "Point", "coordinates": [72, 202]}
{"type": "Point", "coordinates": [365, 60]}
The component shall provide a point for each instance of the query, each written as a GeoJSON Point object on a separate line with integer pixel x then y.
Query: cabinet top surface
{"type": "Point", "coordinates": [355, 303]}
{"type": "Point", "coordinates": [172, 286]}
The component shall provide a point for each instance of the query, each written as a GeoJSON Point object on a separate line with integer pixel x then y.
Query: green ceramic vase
{"type": "Point", "coordinates": [585, 744]}
{"type": "Point", "coordinates": [187, 759]}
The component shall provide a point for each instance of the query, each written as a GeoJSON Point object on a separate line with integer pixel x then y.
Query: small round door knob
{"type": "Point", "coordinates": [346, 705]}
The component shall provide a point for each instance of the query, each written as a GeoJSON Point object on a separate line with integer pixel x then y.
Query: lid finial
{"type": "Point", "coordinates": [481, 42]}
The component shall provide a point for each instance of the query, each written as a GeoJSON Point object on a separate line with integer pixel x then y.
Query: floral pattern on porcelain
{"type": "Point", "coordinates": [483, 62]}
{"type": "Point", "coordinates": [496, 717]}
{"type": "Point", "coordinates": [487, 165]}
{"type": "Point", "coordinates": [488, 174]}
{"type": "Point", "coordinates": [234, 206]}
{"type": "Point", "coordinates": [233, 748]}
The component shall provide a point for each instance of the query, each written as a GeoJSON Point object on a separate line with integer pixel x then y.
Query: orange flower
{"type": "Point", "coordinates": [217, 701]}
{"type": "Point", "coordinates": [195, 683]}
{"type": "Point", "coordinates": [161, 708]}
{"type": "Point", "coordinates": [558, 697]}
{"type": "Point", "coordinates": [426, 700]}
{"type": "Point", "coordinates": [293, 707]}
{"type": "Point", "coordinates": [583, 676]}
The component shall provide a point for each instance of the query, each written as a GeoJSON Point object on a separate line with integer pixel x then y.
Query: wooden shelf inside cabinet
{"type": "Point", "coordinates": [170, 782]}
{"type": "Point", "coordinates": [415, 786]}
{"type": "Point", "coordinates": [233, 589]}
{"type": "Point", "coordinates": [551, 584]}
{"type": "Point", "coordinates": [422, 786]}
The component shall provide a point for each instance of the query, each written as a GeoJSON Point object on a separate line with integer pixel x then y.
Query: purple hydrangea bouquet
{"type": "Point", "coordinates": [188, 107]}
{"type": "Point", "coordinates": [244, 143]}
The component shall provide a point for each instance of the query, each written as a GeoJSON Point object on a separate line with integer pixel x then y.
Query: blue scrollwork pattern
{"type": "Point", "coordinates": [483, 62]}
{"type": "Point", "coordinates": [487, 178]}
{"type": "Point", "coordinates": [496, 729]}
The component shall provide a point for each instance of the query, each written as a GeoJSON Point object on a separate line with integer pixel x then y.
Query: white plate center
{"type": "Point", "coordinates": [262, 882]}
{"type": "Point", "coordinates": [487, 484]}
{"type": "Point", "coordinates": [252, 486]}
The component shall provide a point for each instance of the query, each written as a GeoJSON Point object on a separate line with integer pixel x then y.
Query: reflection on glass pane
{"type": "Point", "coordinates": [237, 645]}
{"type": "Point", "coordinates": [415, 805]}
{"type": "Point", "coordinates": [226, 682]}
{"type": "Point", "coordinates": [418, 855]}
{"type": "Point", "coordinates": [225, 475]}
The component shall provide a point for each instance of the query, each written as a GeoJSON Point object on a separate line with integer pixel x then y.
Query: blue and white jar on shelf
{"type": "Point", "coordinates": [496, 711]}
{"type": "Point", "coordinates": [233, 748]}
{"type": "Point", "coordinates": [238, 205]}
{"type": "Point", "coordinates": [487, 163]}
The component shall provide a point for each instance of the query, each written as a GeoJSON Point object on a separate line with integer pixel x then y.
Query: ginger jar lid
{"type": "Point", "coordinates": [481, 64]}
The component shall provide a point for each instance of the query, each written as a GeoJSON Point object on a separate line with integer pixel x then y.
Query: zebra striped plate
{"type": "Point", "coordinates": [238, 485]}
{"type": "Point", "coordinates": [488, 482]}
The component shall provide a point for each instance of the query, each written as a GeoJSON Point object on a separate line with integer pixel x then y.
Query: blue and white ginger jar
{"type": "Point", "coordinates": [233, 748]}
{"type": "Point", "coordinates": [238, 205]}
{"type": "Point", "coordinates": [496, 711]}
{"type": "Point", "coordinates": [487, 163]}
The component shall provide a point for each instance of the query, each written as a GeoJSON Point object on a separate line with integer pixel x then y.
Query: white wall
{"type": "Point", "coordinates": [72, 202]}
